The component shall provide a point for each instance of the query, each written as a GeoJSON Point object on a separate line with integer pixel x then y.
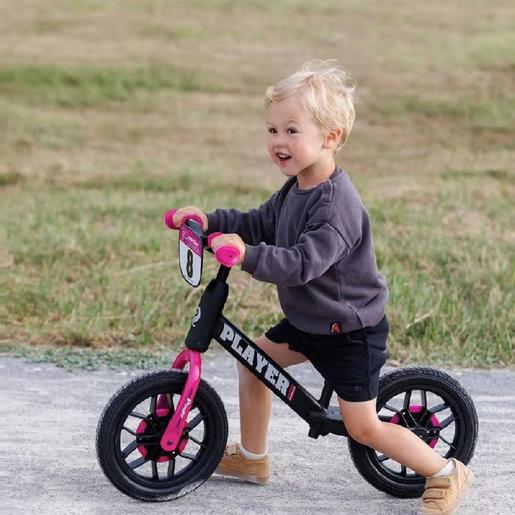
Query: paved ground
{"type": "Point", "coordinates": [48, 463]}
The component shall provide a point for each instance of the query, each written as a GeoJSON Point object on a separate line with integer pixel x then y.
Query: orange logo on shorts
{"type": "Point", "coordinates": [336, 328]}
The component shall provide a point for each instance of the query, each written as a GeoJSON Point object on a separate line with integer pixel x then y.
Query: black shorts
{"type": "Point", "coordinates": [350, 362]}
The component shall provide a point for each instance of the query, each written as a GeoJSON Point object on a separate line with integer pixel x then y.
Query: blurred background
{"type": "Point", "coordinates": [112, 112]}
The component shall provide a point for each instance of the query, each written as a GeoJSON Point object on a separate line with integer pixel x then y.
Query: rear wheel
{"type": "Point", "coordinates": [130, 430]}
{"type": "Point", "coordinates": [435, 407]}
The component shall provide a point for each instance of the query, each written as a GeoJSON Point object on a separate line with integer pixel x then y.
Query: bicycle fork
{"type": "Point", "coordinates": [171, 439]}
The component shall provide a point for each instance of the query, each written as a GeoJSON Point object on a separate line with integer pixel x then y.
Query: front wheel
{"type": "Point", "coordinates": [432, 405]}
{"type": "Point", "coordinates": [130, 429]}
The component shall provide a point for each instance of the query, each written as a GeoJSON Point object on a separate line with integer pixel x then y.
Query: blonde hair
{"type": "Point", "coordinates": [324, 92]}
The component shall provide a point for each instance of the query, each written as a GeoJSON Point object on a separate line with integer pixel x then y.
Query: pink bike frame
{"type": "Point", "coordinates": [172, 436]}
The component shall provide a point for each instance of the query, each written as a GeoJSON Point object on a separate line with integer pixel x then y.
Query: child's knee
{"type": "Point", "coordinates": [363, 432]}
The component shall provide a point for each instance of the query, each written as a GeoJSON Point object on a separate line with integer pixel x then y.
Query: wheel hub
{"type": "Point", "coordinates": [411, 419]}
{"type": "Point", "coordinates": [149, 434]}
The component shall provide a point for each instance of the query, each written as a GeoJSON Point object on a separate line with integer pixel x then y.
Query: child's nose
{"type": "Point", "coordinates": [280, 139]}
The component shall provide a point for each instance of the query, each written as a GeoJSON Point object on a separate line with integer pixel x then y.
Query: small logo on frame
{"type": "Point", "coordinates": [196, 317]}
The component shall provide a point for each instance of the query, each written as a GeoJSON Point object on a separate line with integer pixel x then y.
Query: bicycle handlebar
{"type": "Point", "coordinates": [227, 255]}
{"type": "Point", "coordinates": [168, 219]}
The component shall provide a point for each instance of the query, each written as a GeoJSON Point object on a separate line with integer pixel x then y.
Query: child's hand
{"type": "Point", "coordinates": [184, 212]}
{"type": "Point", "coordinates": [232, 240]}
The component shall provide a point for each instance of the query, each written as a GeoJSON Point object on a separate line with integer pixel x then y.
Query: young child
{"type": "Point", "coordinates": [312, 239]}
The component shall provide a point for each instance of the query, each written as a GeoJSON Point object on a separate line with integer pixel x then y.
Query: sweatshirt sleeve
{"type": "Point", "coordinates": [316, 251]}
{"type": "Point", "coordinates": [254, 226]}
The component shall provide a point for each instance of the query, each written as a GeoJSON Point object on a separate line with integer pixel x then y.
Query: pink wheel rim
{"type": "Point", "coordinates": [415, 408]}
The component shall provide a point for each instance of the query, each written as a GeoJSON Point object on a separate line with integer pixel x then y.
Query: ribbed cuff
{"type": "Point", "coordinates": [251, 258]}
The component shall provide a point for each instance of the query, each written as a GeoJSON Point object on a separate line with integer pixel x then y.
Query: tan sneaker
{"type": "Point", "coordinates": [234, 464]}
{"type": "Point", "coordinates": [442, 495]}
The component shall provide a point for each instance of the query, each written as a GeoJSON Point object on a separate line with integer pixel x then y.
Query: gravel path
{"type": "Point", "coordinates": [48, 463]}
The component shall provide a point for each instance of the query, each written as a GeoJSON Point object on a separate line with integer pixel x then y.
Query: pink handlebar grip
{"type": "Point", "coordinates": [226, 255]}
{"type": "Point", "coordinates": [168, 219]}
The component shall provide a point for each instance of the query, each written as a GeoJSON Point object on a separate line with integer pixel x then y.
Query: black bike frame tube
{"type": "Point", "coordinates": [266, 370]}
{"type": "Point", "coordinates": [208, 313]}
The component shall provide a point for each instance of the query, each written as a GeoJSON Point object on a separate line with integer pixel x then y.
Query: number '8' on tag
{"type": "Point", "coordinates": [190, 255]}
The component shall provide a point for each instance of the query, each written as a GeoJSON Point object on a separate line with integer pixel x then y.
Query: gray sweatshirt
{"type": "Point", "coordinates": [316, 246]}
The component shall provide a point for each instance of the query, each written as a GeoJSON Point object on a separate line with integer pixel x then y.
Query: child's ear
{"type": "Point", "coordinates": [333, 138]}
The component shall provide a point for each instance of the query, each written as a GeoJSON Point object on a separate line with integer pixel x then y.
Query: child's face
{"type": "Point", "coordinates": [294, 141]}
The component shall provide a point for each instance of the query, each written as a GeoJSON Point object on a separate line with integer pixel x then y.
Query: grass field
{"type": "Point", "coordinates": [112, 112]}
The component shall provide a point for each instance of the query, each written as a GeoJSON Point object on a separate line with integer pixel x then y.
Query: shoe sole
{"type": "Point", "coordinates": [464, 490]}
{"type": "Point", "coordinates": [249, 478]}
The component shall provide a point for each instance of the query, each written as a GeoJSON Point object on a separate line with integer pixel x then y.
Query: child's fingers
{"type": "Point", "coordinates": [217, 242]}
{"type": "Point", "coordinates": [184, 212]}
{"type": "Point", "coordinates": [223, 240]}
{"type": "Point", "coordinates": [177, 217]}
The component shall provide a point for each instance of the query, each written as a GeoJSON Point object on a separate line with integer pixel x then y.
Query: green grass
{"type": "Point", "coordinates": [81, 86]}
{"type": "Point", "coordinates": [450, 278]}
{"type": "Point", "coordinates": [9, 178]}
{"type": "Point", "coordinates": [102, 269]}
{"type": "Point", "coordinates": [492, 112]}
{"type": "Point", "coordinates": [102, 266]}
{"type": "Point", "coordinates": [167, 111]}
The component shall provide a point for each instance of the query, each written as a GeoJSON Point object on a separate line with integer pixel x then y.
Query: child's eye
{"type": "Point", "coordinates": [271, 130]}
{"type": "Point", "coordinates": [291, 130]}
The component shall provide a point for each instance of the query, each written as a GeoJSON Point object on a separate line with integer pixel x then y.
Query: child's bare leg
{"type": "Point", "coordinates": [256, 398]}
{"type": "Point", "coordinates": [392, 440]}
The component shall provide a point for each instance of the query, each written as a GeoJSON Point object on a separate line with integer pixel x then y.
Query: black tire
{"type": "Point", "coordinates": [129, 430]}
{"type": "Point", "coordinates": [452, 429]}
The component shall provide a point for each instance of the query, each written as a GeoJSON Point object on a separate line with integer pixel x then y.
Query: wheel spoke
{"type": "Point", "coordinates": [382, 458]}
{"type": "Point", "coordinates": [133, 433]}
{"type": "Point", "coordinates": [138, 415]}
{"type": "Point", "coordinates": [171, 467]}
{"type": "Point", "coordinates": [403, 471]}
{"type": "Point", "coordinates": [155, 474]}
{"type": "Point", "coordinates": [130, 448]}
{"type": "Point", "coordinates": [449, 420]}
{"type": "Point", "coordinates": [423, 396]}
{"type": "Point", "coordinates": [137, 463]}
{"type": "Point", "coordinates": [188, 456]}
{"type": "Point", "coordinates": [431, 411]}
{"type": "Point", "coordinates": [153, 402]}
{"type": "Point", "coordinates": [195, 421]}
{"type": "Point", "coordinates": [440, 407]}
{"type": "Point", "coordinates": [407, 399]}
{"type": "Point", "coordinates": [196, 441]}
{"type": "Point", "coordinates": [385, 418]}
{"type": "Point", "coordinates": [447, 442]}
{"type": "Point", "coordinates": [390, 408]}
